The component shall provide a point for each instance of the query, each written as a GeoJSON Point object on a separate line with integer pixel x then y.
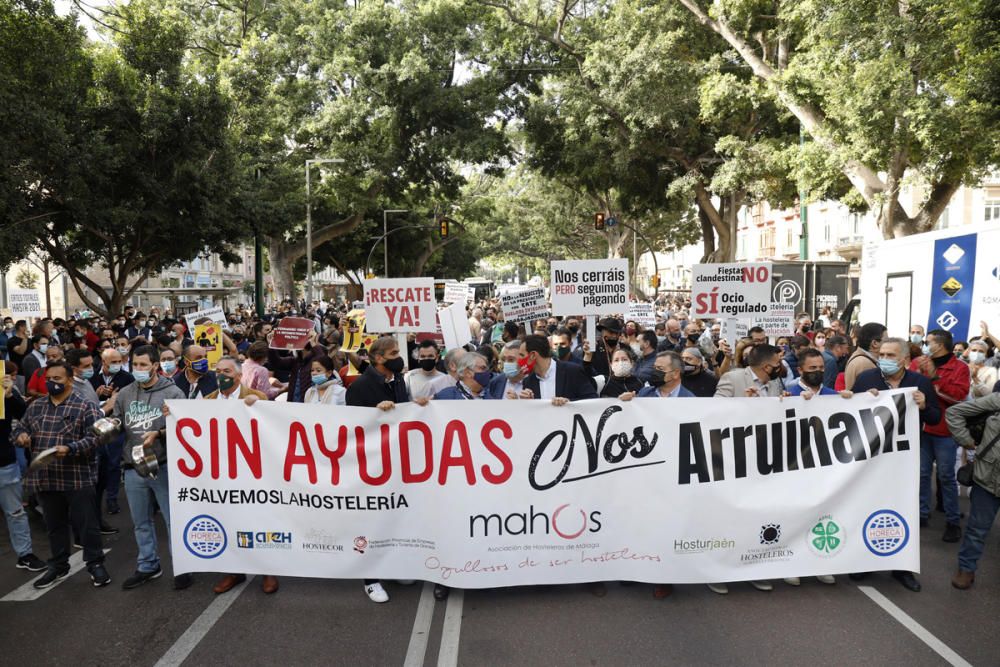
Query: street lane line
{"type": "Point", "coordinates": [28, 592]}
{"type": "Point", "coordinates": [922, 634]}
{"type": "Point", "coordinates": [448, 653]}
{"type": "Point", "coordinates": [417, 649]}
{"type": "Point", "coordinates": [187, 642]}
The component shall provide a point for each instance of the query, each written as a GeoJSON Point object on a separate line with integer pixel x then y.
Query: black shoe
{"type": "Point", "coordinates": [113, 507]}
{"type": "Point", "coordinates": [31, 563]}
{"type": "Point", "coordinates": [51, 577]}
{"type": "Point", "coordinates": [182, 581]}
{"type": "Point", "coordinates": [139, 578]}
{"type": "Point", "coordinates": [99, 575]}
{"type": "Point", "coordinates": [908, 580]}
{"type": "Point", "coordinates": [441, 592]}
{"type": "Point", "coordinates": [857, 576]}
{"type": "Point", "coordinates": [925, 521]}
{"type": "Point", "coordinates": [108, 530]}
{"type": "Point", "coordinates": [952, 533]}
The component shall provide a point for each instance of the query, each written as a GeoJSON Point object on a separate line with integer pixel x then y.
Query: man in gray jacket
{"type": "Point", "coordinates": [140, 409]}
{"type": "Point", "coordinates": [985, 494]}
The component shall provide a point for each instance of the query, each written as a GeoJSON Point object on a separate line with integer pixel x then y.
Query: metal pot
{"type": "Point", "coordinates": [106, 428]}
{"type": "Point", "coordinates": [146, 464]}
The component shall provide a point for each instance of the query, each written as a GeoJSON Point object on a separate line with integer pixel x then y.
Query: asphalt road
{"type": "Point", "coordinates": [331, 622]}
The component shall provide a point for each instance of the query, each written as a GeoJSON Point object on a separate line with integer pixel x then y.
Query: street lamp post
{"type": "Point", "coordinates": [309, 227]}
{"type": "Point", "coordinates": [385, 234]}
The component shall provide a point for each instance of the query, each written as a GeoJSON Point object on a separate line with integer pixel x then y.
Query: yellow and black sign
{"type": "Point", "coordinates": [952, 287]}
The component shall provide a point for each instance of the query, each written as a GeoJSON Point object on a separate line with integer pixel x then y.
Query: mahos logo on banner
{"type": "Point", "coordinates": [568, 524]}
{"type": "Point", "coordinates": [205, 537]}
{"type": "Point", "coordinates": [885, 532]}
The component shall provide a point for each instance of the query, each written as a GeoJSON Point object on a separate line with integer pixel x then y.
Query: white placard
{"type": "Point", "coordinates": [591, 326]}
{"type": "Point", "coordinates": [524, 305]}
{"type": "Point", "coordinates": [589, 287]}
{"type": "Point", "coordinates": [400, 305]}
{"type": "Point", "coordinates": [641, 313]}
{"type": "Point", "coordinates": [24, 303]}
{"type": "Point", "coordinates": [731, 290]}
{"type": "Point", "coordinates": [780, 320]}
{"type": "Point", "coordinates": [455, 327]}
{"type": "Point", "coordinates": [215, 314]}
{"type": "Point", "coordinates": [483, 494]}
{"type": "Point", "coordinates": [732, 329]}
{"type": "Point", "coordinates": [456, 293]}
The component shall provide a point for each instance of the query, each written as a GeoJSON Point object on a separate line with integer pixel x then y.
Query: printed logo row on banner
{"type": "Point", "coordinates": [477, 494]}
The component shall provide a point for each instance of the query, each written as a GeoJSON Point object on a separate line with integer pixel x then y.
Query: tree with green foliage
{"type": "Point", "coordinates": [887, 90]}
{"type": "Point", "coordinates": [137, 172]}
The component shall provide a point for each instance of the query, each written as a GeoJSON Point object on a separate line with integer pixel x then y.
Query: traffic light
{"type": "Point", "coordinates": [654, 281]}
{"type": "Point", "coordinates": [599, 222]}
{"type": "Point", "coordinates": [443, 226]}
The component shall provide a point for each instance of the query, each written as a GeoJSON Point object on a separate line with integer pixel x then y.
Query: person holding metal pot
{"type": "Point", "coordinates": [139, 409]}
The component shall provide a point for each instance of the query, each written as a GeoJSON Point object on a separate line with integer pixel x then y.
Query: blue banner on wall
{"type": "Point", "coordinates": [951, 286]}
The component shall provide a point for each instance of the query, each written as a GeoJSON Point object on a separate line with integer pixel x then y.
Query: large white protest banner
{"type": "Point", "coordinates": [589, 287]}
{"type": "Point", "coordinates": [400, 305]}
{"type": "Point", "coordinates": [24, 303]}
{"type": "Point", "coordinates": [731, 290]}
{"type": "Point", "coordinates": [524, 305]}
{"type": "Point", "coordinates": [480, 494]}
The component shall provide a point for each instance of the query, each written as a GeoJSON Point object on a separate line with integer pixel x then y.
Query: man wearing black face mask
{"type": "Point", "coordinates": [598, 362]}
{"type": "Point", "coordinates": [761, 377]}
{"type": "Point", "coordinates": [810, 381]}
{"type": "Point", "coordinates": [673, 339]}
{"type": "Point", "coordinates": [381, 386]}
{"type": "Point", "coordinates": [696, 379]}
{"type": "Point", "coordinates": [418, 379]}
{"type": "Point", "coordinates": [575, 337]}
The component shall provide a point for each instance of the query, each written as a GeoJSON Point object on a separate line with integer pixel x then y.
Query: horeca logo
{"type": "Point", "coordinates": [205, 537]}
{"type": "Point", "coordinates": [885, 532]}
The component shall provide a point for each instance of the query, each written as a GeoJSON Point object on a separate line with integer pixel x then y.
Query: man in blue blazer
{"type": "Point", "coordinates": [549, 379]}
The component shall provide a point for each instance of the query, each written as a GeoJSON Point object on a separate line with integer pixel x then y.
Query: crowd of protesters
{"type": "Point", "coordinates": [62, 375]}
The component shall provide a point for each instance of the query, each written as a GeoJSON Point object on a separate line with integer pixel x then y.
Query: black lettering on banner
{"type": "Point", "coordinates": [690, 442]}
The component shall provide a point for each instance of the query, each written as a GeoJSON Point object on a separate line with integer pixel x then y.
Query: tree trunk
{"type": "Point", "coordinates": [707, 235]}
{"type": "Point", "coordinates": [281, 268]}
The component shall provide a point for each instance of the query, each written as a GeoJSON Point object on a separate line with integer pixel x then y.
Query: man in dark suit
{"type": "Point", "coordinates": [549, 379]}
{"type": "Point", "coordinates": [892, 373]}
{"type": "Point", "coordinates": [106, 383]}
{"type": "Point", "coordinates": [380, 386]}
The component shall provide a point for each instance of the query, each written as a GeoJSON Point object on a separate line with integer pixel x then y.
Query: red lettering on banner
{"type": "Point", "coordinates": [195, 468]}
{"type": "Point", "coordinates": [297, 433]}
{"type": "Point", "coordinates": [406, 466]}
{"type": "Point", "coordinates": [456, 430]}
{"type": "Point", "coordinates": [334, 454]}
{"type": "Point", "coordinates": [213, 441]}
{"type": "Point", "coordinates": [507, 467]}
{"type": "Point", "coordinates": [235, 439]}
{"type": "Point", "coordinates": [363, 458]}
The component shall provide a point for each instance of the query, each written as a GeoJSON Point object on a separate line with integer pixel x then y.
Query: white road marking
{"type": "Point", "coordinates": [448, 653]}
{"type": "Point", "coordinates": [28, 592]}
{"type": "Point", "coordinates": [417, 649]}
{"type": "Point", "coordinates": [920, 631]}
{"type": "Point", "coordinates": [187, 642]}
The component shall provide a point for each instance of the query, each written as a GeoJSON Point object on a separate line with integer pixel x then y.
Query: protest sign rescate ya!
{"type": "Point", "coordinates": [292, 333]}
{"type": "Point", "coordinates": [524, 305]}
{"type": "Point", "coordinates": [400, 305]}
{"type": "Point", "coordinates": [731, 290]}
{"type": "Point", "coordinates": [589, 287]}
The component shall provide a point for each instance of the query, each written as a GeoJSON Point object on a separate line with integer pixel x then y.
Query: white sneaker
{"type": "Point", "coordinates": [405, 582]}
{"type": "Point", "coordinates": [721, 589]}
{"type": "Point", "coordinates": [826, 579]}
{"type": "Point", "coordinates": [793, 581]}
{"type": "Point", "coordinates": [762, 585]}
{"type": "Point", "coordinates": [376, 593]}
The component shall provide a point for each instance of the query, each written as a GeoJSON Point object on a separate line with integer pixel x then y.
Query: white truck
{"type": "Point", "coordinates": [947, 279]}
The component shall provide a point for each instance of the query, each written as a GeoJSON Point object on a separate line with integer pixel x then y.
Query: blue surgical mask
{"type": "Point", "coordinates": [888, 367]}
{"type": "Point", "coordinates": [916, 339]}
{"type": "Point", "coordinates": [168, 367]}
{"type": "Point", "coordinates": [319, 379]}
{"type": "Point", "coordinates": [200, 366]}
{"type": "Point", "coordinates": [926, 349]}
{"type": "Point", "coordinates": [511, 369]}
{"type": "Point", "coordinates": [87, 373]}
{"type": "Point", "coordinates": [142, 377]}
{"type": "Point", "coordinates": [42, 348]}
{"type": "Point", "coordinates": [482, 378]}
{"type": "Point", "coordinates": [114, 368]}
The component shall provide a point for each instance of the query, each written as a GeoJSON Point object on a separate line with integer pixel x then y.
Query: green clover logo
{"type": "Point", "coordinates": [825, 538]}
